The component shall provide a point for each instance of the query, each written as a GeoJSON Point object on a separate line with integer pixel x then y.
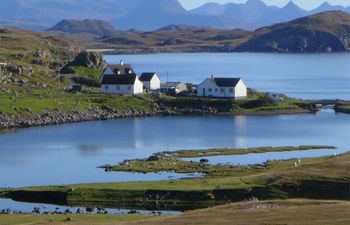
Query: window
{"type": "Point", "coordinates": [106, 86]}
{"type": "Point", "coordinates": [129, 88]}
{"type": "Point", "coordinates": [231, 90]}
{"type": "Point", "coordinates": [222, 90]}
{"type": "Point", "coordinates": [118, 88]}
{"type": "Point", "coordinates": [216, 90]}
{"type": "Point", "coordinates": [210, 89]}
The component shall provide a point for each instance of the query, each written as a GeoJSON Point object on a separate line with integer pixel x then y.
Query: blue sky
{"type": "Point", "coordinates": [306, 4]}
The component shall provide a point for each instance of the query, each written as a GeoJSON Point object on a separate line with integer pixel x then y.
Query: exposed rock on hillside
{"type": "Point", "coordinates": [92, 60]}
{"type": "Point", "coordinates": [323, 32]}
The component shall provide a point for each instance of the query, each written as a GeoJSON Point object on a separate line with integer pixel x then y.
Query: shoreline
{"type": "Point", "coordinates": [50, 118]}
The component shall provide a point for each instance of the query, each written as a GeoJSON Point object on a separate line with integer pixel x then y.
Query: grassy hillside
{"type": "Point", "coordinates": [36, 57]}
{"type": "Point", "coordinates": [323, 32]}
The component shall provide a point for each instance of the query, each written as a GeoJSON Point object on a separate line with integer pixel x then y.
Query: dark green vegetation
{"type": "Point", "coordinates": [342, 107]}
{"type": "Point", "coordinates": [275, 179]}
{"type": "Point", "coordinates": [323, 32]}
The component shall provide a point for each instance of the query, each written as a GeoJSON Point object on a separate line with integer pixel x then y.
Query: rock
{"type": "Point", "coordinates": [89, 59]}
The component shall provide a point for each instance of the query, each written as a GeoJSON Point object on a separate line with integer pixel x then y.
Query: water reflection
{"type": "Point", "coordinates": [90, 150]}
{"type": "Point", "coordinates": [24, 207]}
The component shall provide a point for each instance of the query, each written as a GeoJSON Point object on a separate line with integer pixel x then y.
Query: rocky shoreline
{"type": "Point", "coordinates": [61, 117]}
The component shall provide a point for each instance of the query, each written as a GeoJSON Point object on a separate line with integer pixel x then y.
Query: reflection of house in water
{"type": "Point", "coordinates": [90, 150]}
{"type": "Point", "coordinates": [240, 126]}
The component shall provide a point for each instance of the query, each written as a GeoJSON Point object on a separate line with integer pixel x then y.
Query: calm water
{"type": "Point", "coordinates": [28, 208]}
{"type": "Point", "coordinates": [308, 76]}
{"type": "Point", "coordinates": [70, 153]}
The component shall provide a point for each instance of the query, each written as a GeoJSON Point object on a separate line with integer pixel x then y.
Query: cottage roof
{"type": "Point", "coordinates": [121, 68]}
{"type": "Point", "coordinates": [124, 79]}
{"type": "Point", "coordinates": [225, 82]}
{"type": "Point", "coordinates": [147, 76]}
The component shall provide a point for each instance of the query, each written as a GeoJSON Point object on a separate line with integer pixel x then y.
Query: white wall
{"type": "Point", "coordinates": [155, 83]}
{"type": "Point", "coordinates": [146, 85]}
{"type": "Point", "coordinates": [137, 88]}
{"type": "Point", "coordinates": [241, 90]}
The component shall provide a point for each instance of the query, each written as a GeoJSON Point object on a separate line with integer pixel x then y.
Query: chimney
{"type": "Point", "coordinates": [212, 76]}
{"type": "Point", "coordinates": [121, 62]}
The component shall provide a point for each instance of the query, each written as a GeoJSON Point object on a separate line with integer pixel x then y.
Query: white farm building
{"type": "Point", "coordinates": [120, 79]}
{"type": "Point", "coordinates": [223, 88]}
{"type": "Point", "coordinates": [150, 81]}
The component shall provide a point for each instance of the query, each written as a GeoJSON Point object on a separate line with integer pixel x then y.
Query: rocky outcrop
{"type": "Point", "coordinates": [8, 71]}
{"type": "Point", "coordinates": [323, 32]}
{"type": "Point", "coordinates": [92, 60]}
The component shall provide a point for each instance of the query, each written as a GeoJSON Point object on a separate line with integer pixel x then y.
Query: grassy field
{"type": "Point", "coordinates": [288, 212]}
{"type": "Point", "coordinates": [75, 219]}
{"type": "Point", "coordinates": [291, 212]}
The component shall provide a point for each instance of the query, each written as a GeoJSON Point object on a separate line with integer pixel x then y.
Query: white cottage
{"type": "Point", "coordinates": [223, 88]}
{"type": "Point", "coordinates": [150, 81]}
{"type": "Point", "coordinates": [120, 79]}
{"type": "Point", "coordinates": [121, 84]}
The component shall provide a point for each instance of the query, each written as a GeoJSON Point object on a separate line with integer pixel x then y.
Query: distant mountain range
{"type": "Point", "coordinates": [149, 15]}
{"type": "Point", "coordinates": [322, 32]}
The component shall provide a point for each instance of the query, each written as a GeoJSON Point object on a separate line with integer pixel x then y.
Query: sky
{"type": "Point", "coordinates": [306, 4]}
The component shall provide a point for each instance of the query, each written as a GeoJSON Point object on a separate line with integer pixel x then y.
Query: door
{"type": "Point", "coordinates": [204, 92]}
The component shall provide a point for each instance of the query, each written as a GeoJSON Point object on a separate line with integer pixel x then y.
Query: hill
{"type": "Point", "coordinates": [322, 32]}
{"type": "Point", "coordinates": [96, 27]}
{"type": "Point", "coordinates": [33, 59]}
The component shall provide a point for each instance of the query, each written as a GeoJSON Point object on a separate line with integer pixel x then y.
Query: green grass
{"type": "Point", "coordinates": [94, 74]}
{"type": "Point", "coordinates": [26, 102]}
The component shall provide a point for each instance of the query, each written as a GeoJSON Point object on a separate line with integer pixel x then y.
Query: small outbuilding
{"type": "Point", "coordinates": [223, 88]}
{"type": "Point", "coordinates": [150, 81]}
{"type": "Point", "coordinates": [173, 88]}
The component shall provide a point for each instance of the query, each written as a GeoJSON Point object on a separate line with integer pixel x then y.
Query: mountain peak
{"type": "Point", "coordinates": [291, 4]}
{"type": "Point", "coordinates": [256, 2]}
{"type": "Point", "coordinates": [325, 4]}
{"type": "Point", "coordinates": [96, 27]}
